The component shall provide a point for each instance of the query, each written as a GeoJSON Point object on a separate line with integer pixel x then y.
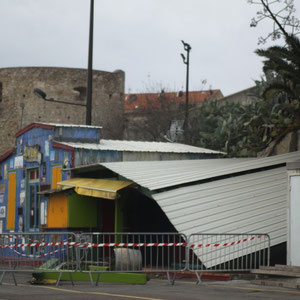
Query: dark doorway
{"type": "Point", "coordinates": [33, 218]}
{"type": "Point", "coordinates": [143, 214]}
{"type": "Point", "coordinates": [108, 215]}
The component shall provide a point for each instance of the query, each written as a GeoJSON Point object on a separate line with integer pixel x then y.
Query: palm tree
{"type": "Point", "coordinates": [282, 70]}
{"type": "Point", "coordinates": [283, 64]}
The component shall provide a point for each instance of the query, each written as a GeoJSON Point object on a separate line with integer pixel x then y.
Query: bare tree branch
{"type": "Point", "coordinates": [284, 21]}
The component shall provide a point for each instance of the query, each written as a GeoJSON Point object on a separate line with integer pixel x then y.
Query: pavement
{"type": "Point", "coordinates": [155, 289]}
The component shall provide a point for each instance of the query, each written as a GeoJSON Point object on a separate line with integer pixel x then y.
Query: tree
{"type": "Point", "coordinates": [282, 68]}
{"type": "Point", "coordinates": [282, 65]}
{"type": "Point", "coordinates": [247, 130]}
{"type": "Point", "coordinates": [239, 130]}
{"type": "Point", "coordinates": [281, 13]}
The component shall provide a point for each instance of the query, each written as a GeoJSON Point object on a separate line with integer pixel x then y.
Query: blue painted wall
{"type": "Point", "coordinates": [49, 158]}
{"type": "Point", "coordinates": [77, 134]}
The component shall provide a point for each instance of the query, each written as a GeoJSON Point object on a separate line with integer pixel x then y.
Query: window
{"type": "Point", "coordinates": [81, 92]}
{"type": "Point", "coordinates": [34, 175]}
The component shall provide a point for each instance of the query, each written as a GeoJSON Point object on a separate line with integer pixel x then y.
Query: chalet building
{"type": "Point", "coordinates": [44, 153]}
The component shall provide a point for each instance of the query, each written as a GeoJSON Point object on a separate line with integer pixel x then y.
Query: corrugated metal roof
{"type": "Point", "coordinates": [155, 175]}
{"type": "Point", "coordinates": [138, 146]}
{"type": "Point", "coordinates": [70, 125]}
{"type": "Point", "coordinates": [247, 203]}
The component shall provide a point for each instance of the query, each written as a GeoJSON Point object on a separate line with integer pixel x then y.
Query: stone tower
{"type": "Point", "coordinates": [20, 107]}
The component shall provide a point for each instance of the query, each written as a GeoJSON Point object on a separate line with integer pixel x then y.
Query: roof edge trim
{"type": "Point", "coordinates": [7, 154]}
{"type": "Point", "coordinates": [33, 125]}
{"type": "Point", "coordinates": [62, 146]}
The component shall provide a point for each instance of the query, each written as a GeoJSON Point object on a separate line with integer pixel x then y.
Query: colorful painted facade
{"type": "Point", "coordinates": [32, 167]}
{"type": "Point", "coordinates": [43, 156]}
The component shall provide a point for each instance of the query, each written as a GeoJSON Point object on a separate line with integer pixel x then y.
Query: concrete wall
{"type": "Point", "coordinates": [243, 97]}
{"type": "Point", "coordinates": [65, 84]}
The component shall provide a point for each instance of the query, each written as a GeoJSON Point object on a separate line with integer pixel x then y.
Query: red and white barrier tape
{"type": "Point", "coordinates": [101, 245]}
{"type": "Point", "coordinates": [227, 244]}
{"type": "Point", "coordinates": [93, 245]}
{"type": "Point", "coordinates": [38, 255]}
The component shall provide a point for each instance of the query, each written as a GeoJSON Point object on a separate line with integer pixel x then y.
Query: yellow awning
{"type": "Point", "coordinates": [99, 188]}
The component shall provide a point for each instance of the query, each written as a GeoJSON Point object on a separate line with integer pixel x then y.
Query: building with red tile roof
{"type": "Point", "coordinates": [144, 101]}
{"type": "Point", "coordinates": [149, 115]}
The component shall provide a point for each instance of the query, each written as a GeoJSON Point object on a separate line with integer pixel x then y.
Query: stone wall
{"type": "Point", "coordinates": [20, 107]}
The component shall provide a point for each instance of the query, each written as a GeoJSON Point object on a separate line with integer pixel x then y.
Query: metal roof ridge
{"type": "Point", "coordinates": [68, 125]}
{"type": "Point", "coordinates": [177, 146]}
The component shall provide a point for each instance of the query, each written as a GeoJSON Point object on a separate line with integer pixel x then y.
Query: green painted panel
{"type": "Point", "coordinates": [82, 211]}
{"type": "Point", "coordinates": [119, 214]}
{"type": "Point", "coordinates": [133, 278]}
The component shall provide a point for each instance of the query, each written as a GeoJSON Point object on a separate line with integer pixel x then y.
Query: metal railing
{"type": "Point", "coordinates": [227, 252]}
{"type": "Point", "coordinates": [133, 252]}
{"type": "Point", "coordinates": [35, 252]}
{"type": "Point", "coordinates": [98, 253]}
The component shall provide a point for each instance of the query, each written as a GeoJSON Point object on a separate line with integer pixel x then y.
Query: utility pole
{"type": "Point", "coordinates": [90, 69]}
{"type": "Point", "coordinates": [186, 61]}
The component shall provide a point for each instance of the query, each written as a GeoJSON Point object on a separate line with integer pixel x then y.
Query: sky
{"type": "Point", "coordinates": [140, 37]}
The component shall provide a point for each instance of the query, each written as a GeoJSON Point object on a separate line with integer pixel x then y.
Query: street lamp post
{"type": "Point", "coordinates": [88, 104]}
{"type": "Point", "coordinates": [90, 69]}
{"type": "Point", "coordinates": [186, 61]}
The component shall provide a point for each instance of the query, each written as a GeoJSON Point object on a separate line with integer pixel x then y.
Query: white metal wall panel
{"type": "Point", "coordinates": [251, 203]}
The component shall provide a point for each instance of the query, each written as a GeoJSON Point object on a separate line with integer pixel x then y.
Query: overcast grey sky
{"type": "Point", "coordinates": [141, 37]}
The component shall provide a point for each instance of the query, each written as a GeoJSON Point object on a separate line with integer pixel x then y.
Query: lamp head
{"type": "Point", "coordinates": [186, 46]}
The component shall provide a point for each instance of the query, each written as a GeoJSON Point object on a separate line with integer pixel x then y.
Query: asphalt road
{"type": "Point", "coordinates": [155, 289]}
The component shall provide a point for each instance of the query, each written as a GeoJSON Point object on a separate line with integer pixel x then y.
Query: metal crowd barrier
{"type": "Point", "coordinates": [227, 252]}
{"type": "Point", "coordinates": [35, 252]}
{"type": "Point", "coordinates": [98, 253]}
{"type": "Point", "coordinates": [132, 252]}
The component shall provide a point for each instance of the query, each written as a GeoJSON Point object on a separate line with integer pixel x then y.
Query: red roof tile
{"type": "Point", "coordinates": [146, 100]}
